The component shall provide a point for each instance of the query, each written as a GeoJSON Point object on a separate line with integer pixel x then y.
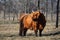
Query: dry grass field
{"type": "Point", "coordinates": [11, 31]}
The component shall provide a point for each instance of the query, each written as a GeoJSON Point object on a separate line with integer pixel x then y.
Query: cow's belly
{"type": "Point", "coordinates": [27, 22]}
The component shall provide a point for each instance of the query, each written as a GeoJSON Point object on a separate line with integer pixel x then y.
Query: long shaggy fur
{"type": "Point", "coordinates": [34, 21]}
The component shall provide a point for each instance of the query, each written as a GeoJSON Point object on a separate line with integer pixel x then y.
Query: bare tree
{"type": "Point", "coordinates": [38, 4]}
{"type": "Point", "coordinates": [51, 10]}
{"type": "Point", "coordinates": [57, 13]}
{"type": "Point", "coordinates": [46, 8]}
{"type": "Point", "coordinates": [4, 8]}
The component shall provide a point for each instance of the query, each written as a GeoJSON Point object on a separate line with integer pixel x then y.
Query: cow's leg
{"type": "Point", "coordinates": [21, 29]}
{"type": "Point", "coordinates": [20, 33]}
{"type": "Point", "coordinates": [40, 30]}
{"type": "Point", "coordinates": [36, 32]}
{"type": "Point", "coordinates": [24, 32]}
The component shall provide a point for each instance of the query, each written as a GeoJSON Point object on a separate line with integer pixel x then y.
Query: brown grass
{"type": "Point", "coordinates": [10, 32]}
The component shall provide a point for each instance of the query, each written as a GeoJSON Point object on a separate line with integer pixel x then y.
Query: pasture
{"type": "Point", "coordinates": [11, 10]}
{"type": "Point", "coordinates": [9, 30]}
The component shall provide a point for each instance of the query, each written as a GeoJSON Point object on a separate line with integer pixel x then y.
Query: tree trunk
{"type": "Point", "coordinates": [9, 16]}
{"type": "Point", "coordinates": [46, 8]}
{"type": "Point", "coordinates": [51, 10]}
{"type": "Point", "coordinates": [13, 17]}
{"type": "Point", "coordinates": [57, 14]}
{"type": "Point", "coordinates": [4, 16]}
{"type": "Point", "coordinates": [38, 4]}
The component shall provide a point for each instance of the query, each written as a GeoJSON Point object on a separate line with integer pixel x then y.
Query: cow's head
{"type": "Point", "coordinates": [35, 15]}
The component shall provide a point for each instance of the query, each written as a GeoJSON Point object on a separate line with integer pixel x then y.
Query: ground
{"type": "Point", "coordinates": [11, 31]}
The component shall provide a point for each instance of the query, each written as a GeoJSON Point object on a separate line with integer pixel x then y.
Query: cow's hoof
{"type": "Point", "coordinates": [40, 35]}
{"type": "Point", "coordinates": [36, 35]}
{"type": "Point", "coordinates": [20, 35]}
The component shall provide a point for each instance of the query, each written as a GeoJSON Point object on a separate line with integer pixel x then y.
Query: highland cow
{"type": "Point", "coordinates": [34, 21]}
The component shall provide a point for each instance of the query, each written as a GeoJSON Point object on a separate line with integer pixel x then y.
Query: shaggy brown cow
{"type": "Point", "coordinates": [41, 22]}
{"type": "Point", "coordinates": [34, 21]}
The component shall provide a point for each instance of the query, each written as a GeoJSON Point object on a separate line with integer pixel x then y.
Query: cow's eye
{"type": "Point", "coordinates": [36, 15]}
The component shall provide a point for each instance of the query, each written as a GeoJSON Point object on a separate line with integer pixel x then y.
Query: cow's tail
{"type": "Point", "coordinates": [21, 26]}
{"type": "Point", "coordinates": [21, 22]}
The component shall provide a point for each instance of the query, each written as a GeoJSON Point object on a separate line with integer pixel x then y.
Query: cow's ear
{"type": "Point", "coordinates": [32, 11]}
{"type": "Point", "coordinates": [31, 14]}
